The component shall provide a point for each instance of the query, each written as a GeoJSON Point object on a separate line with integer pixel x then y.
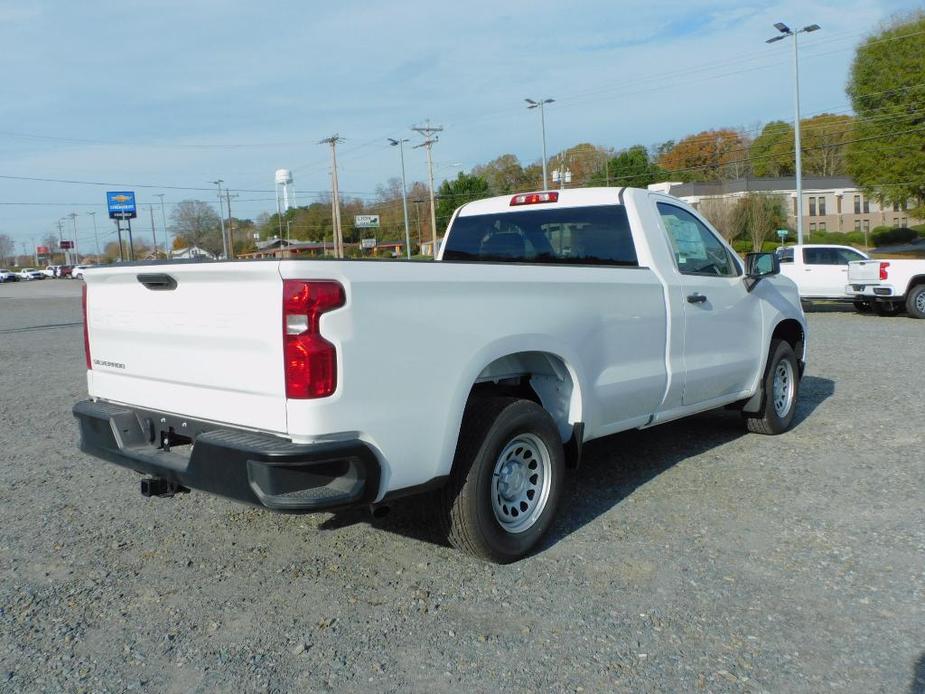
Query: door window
{"type": "Point", "coordinates": [696, 249]}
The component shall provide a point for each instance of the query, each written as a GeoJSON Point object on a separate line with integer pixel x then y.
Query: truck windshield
{"type": "Point", "coordinates": [595, 235]}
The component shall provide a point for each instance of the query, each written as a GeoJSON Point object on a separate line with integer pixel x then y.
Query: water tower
{"type": "Point", "coordinates": [284, 179]}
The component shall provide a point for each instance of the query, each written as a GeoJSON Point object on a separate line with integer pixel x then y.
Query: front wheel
{"type": "Point", "coordinates": [887, 309]}
{"type": "Point", "coordinates": [506, 479]}
{"type": "Point", "coordinates": [781, 388]}
{"type": "Point", "coordinates": [915, 302]}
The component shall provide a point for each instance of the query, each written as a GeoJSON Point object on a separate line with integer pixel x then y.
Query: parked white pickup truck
{"type": "Point", "coordinates": [889, 285]}
{"type": "Point", "coordinates": [821, 271]}
{"type": "Point", "coordinates": [552, 319]}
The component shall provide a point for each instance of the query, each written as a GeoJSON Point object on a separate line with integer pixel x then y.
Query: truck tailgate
{"type": "Point", "coordinates": [864, 272]}
{"type": "Point", "coordinates": [202, 340]}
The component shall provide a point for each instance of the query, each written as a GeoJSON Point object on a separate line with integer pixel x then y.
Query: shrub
{"type": "Point", "coordinates": [882, 236]}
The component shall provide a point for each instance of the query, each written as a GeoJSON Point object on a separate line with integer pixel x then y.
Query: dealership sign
{"type": "Point", "coordinates": [121, 204]}
{"type": "Point", "coordinates": [366, 221]}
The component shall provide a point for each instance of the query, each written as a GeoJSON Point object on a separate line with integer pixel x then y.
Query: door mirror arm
{"type": "Point", "coordinates": [758, 266]}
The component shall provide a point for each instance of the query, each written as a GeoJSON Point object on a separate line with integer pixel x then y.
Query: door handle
{"type": "Point", "coordinates": [696, 298]}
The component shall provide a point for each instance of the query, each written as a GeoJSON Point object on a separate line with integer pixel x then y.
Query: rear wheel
{"type": "Point", "coordinates": [506, 479]}
{"type": "Point", "coordinates": [915, 302]}
{"type": "Point", "coordinates": [887, 308]}
{"type": "Point", "coordinates": [781, 388]}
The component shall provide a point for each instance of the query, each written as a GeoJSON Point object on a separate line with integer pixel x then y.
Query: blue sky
{"type": "Point", "coordinates": [181, 92]}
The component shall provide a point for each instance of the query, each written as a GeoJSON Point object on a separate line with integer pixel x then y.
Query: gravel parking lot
{"type": "Point", "coordinates": [686, 557]}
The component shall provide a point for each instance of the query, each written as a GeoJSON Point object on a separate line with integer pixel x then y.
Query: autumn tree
{"type": "Point", "coordinates": [824, 142]}
{"type": "Point", "coordinates": [711, 155]}
{"type": "Point", "coordinates": [722, 213]}
{"type": "Point", "coordinates": [504, 175]}
{"type": "Point", "coordinates": [887, 154]}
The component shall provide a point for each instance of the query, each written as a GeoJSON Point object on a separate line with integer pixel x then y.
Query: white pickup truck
{"type": "Point", "coordinates": [551, 319]}
{"type": "Point", "coordinates": [821, 271]}
{"type": "Point", "coordinates": [889, 285]}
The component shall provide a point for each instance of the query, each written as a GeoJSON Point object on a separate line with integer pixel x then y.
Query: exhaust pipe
{"type": "Point", "coordinates": [157, 486]}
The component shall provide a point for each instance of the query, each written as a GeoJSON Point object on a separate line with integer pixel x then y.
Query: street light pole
{"type": "Point", "coordinates": [786, 31]}
{"type": "Point", "coordinates": [404, 192]}
{"type": "Point", "coordinates": [539, 104]}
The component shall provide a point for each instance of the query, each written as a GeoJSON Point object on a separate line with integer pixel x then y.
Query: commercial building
{"type": "Point", "coordinates": [830, 203]}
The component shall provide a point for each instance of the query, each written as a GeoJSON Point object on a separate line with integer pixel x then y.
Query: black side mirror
{"type": "Point", "coordinates": [760, 265]}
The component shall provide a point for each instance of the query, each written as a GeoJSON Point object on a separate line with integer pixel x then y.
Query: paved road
{"type": "Point", "coordinates": [687, 557]}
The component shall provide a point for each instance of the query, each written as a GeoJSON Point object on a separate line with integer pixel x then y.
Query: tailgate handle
{"type": "Point", "coordinates": [157, 281]}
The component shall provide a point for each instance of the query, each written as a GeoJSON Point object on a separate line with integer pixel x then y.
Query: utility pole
{"type": "Point", "coordinates": [335, 200]}
{"type": "Point", "coordinates": [221, 217]}
{"type": "Point", "coordinates": [429, 133]}
{"type": "Point", "coordinates": [73, 216]}
{"type": "Point", "coordinates": [96, 236]}
{"type": "Point", "coordinates": [164, 222]}
{"type": "Point", "coordinates": [228, 197]}
{"type": "Point", "coordinates": [153, 232]}
{"type": "Point", "coordinates": [404, 192]}
{"type": "Point", "coordinates": [417, 210]}
{"type": "Point", "coordinates": [540, 104]}
{"type": "Point", "coordinates": [60, 240]}
{"type": "Point", "coordinates": [786, 31]}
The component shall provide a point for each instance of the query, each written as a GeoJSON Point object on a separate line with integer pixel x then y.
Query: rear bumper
{"type": "Point", "coordinates": [259, 469]}
{"type": "Point", "coordinates": [886, 292]}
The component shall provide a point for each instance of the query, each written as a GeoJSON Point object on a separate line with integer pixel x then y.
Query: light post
{"type": "Point", "coordinates": [404, 192]}
{"type": "Point", "coordinates": [539, 104]}
{"type": "Point", "coordinates": [786, 31]}
{"type": "Point", "coordinates": [96, 236]}
{"type": "Point", "coordinates": [73, 216]}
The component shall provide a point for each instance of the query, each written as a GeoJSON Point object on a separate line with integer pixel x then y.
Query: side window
{"type": "Point", "coordinates": [785, 255]}
{"type": "Point", "coordinates": [823, 256]}
{"type": "Point", "coordinates": [846, 256]}
{"type": "Point", "coordinates": [697, 251]}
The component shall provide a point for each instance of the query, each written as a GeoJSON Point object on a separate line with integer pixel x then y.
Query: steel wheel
{"type": "Point", "coordinates": [520, 483]}
{"type": "Point", "coordinates": [783, 387]}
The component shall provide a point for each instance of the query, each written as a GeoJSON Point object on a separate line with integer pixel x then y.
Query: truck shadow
{"type": "Point", "coordinates": [918, 677]}
{"type": "Point", "coordinates": [612, 468]}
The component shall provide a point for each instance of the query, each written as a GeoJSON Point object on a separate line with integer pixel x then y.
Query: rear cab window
{"type": "Point", "coordinates": [830, 256]}
{"type": "Point", "coordinates": [586, 235]}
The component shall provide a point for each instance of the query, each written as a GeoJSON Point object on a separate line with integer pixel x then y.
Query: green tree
{"type": "Point", "coordinates": [504, 175]}
{"type": "Point", "coordinates": [771, 153]}
{"type": "Point", "coordinates": [887, 156]}
{"type": "Point", "coordinates": [453, 193]}
{"type": "Point", "coordinates": [758, 215]}
{"type": "Point", "coordinates": [630, 167]}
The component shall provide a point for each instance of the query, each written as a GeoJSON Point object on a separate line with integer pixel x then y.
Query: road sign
{"type": "Point", "coordinates": [41, 250]}
{"type": "Point", "coordinates": [121, 205]}
{"type": "Point", "coordinates": [782, 233]}
{"type": "Point", "coordinates": [366, 221]}
{"type": "Point", "coordinates": [367, 243]}
{"type": "Point", "coordinates": [65, 245]}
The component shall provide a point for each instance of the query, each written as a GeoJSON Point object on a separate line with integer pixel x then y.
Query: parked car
{"type": "Point", "coordinates": [77, 272]}
{"type": "Point", "coordinates": [549, 320]}
{"type": "Point", "coordinates": [49, 271]}
{"type": "Point", "coordinates": [30, 273]}
{"type": "Point", "coordinates": [889, 285]}
{"type": "Point", "coordinates": [820, 271]}
{"type": "Point", "coordinates": [63, 272]}
{"type": "Point", "coordinates": [8, 275]}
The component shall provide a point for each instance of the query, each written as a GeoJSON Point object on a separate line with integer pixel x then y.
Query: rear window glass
{"type": "Point", "coordinates": [598, 235]}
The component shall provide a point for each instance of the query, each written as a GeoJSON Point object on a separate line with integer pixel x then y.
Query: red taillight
{"type": "Point", "coordinates": [535, 198]}
{"type": "Point", "coordinates": [883, 271]}
{"type": "Point", "coordinates": [310, 360]}
{"type": "Point", "coordinates": [83, 303]}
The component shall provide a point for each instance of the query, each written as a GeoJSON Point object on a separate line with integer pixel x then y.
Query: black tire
{"type": "Point", "coordinates": [862, 306]}
{"type": "Point", "coordinates": [887, 309]}
{"type": "Point", "coordinates": [769, 420]}
{"type": "Point", "coordinates": [464, 505]}
{"type": "Point", "coordinates": [915, 301]}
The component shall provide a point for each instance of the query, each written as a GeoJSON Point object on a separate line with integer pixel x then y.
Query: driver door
{"type": "Point", "coordinates": [723, 332]}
